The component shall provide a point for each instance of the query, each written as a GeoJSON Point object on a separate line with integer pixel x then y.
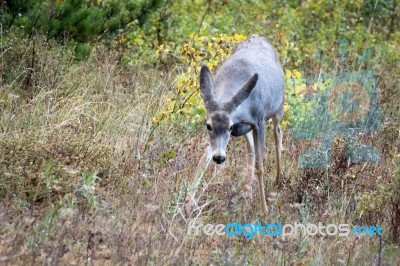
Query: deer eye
{"type": "Point", "coordinates": [231, 128]}
{"type": "Point", "coordinates": [209, 127]}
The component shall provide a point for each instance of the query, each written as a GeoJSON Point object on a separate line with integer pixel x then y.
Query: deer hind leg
{"type": "Point", "coordinates": [251, 161]}
{"type": "Point", "coordinates": [259, 139]}
{"type": "Point", "coordinates": [278, 148]}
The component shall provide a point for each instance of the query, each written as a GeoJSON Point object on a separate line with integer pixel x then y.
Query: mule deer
{"type": "Point", "coordinates": [247, 90]}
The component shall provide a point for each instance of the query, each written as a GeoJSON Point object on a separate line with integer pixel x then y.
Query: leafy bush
{"type": "Point", "coordinates": [187, 107]}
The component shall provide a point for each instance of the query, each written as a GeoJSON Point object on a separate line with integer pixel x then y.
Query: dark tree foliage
{"type": "Point", "coordinates": [80, 20]}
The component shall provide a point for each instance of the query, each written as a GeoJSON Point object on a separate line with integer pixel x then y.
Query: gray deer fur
{"type": "Point", "coordinates": [247, 90]}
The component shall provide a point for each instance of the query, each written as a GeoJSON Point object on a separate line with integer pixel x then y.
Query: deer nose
{"type": "Point", "coordinates": [218, 158]}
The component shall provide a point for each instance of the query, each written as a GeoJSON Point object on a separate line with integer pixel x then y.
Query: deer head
{"type": "Point", "coordinates": [219, 122]}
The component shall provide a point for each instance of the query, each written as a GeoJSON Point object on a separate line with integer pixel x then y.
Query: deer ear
{"type": "Point", "coordinates": [207, 87]}
{"type": "Point", "coordinates": [241, 95]}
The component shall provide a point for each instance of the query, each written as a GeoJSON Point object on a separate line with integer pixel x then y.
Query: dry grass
{"type": "Point", "coordinates": [86, 178]}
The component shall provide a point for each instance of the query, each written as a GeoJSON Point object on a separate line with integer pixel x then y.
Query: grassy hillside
{"type": "Point", "coordinates": [96, 167]}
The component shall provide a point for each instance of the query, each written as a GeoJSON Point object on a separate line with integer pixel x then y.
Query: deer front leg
{"type": "Point", "coordinates": [251, 161]}
{"type": "Point", "coordinates": [259, 137]}
{"type": "Point", "coordinates": [278, 150]}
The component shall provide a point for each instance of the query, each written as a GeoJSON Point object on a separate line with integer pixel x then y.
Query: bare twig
{"type": "Point", "coordinates": [205, 14]}
{"type": "Point", "coordinates": [380, 251]}
{"type": "Point", "coordinates": [2, 56]}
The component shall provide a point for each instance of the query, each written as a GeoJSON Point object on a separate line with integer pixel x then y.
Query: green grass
{"type": "Point", "coordinates": [85, 177]}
